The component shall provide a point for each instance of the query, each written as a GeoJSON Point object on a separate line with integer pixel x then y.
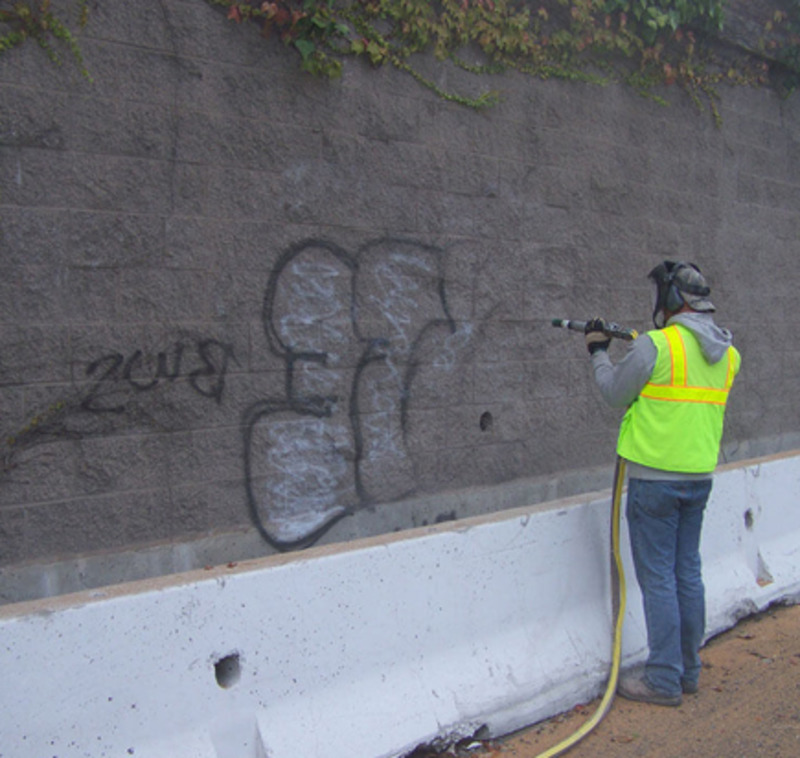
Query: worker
{"type": "Point", "coordinates": [674, 381]}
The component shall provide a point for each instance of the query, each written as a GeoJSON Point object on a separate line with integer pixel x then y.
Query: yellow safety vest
{"type": "Point", "coordinates": [675, 424]}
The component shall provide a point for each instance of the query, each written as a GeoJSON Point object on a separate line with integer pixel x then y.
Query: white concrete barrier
{"type": "Point", "coordinates": [372, 648]}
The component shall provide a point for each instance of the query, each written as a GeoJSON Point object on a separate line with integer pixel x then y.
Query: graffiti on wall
{"type": "Point", "coordinates": [143, 373]}
{"type": "Point", "coordinates": [109, 394]}
{"type": "Point", "coordinates": [351, 331]}
{"type": "Point", "coordinates": [359, 337]}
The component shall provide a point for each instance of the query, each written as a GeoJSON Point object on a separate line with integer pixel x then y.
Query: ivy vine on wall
{"type": "Point", "coordinates": [782, 44]}
{"type": "Point", "coordinates": [646, 43]}
{"type": "Point", "coordinates": [24, 21]}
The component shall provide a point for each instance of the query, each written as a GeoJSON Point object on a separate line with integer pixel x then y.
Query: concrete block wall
{"type": "Point", "coordinates": [242, 309]}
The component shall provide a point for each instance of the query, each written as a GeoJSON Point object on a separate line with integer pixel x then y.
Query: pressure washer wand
{"type": "Point", "coordinates": [611, 330]}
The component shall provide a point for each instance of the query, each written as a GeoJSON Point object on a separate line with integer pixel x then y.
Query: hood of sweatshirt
{"type": "Point", "coordinates": [714, 340]}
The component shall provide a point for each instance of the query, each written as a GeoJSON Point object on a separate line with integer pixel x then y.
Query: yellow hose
{"type": "Point", "coordinates": [618, 607]}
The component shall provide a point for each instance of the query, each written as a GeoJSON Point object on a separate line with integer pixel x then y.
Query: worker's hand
{"type": "Point", "coordinates": [596, 338]}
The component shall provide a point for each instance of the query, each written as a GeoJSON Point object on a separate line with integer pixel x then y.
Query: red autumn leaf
{"type": "Point", "coordinates": [234, 14]}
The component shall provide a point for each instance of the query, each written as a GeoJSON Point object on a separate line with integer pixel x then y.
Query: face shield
{"type": "Point", "coordinates": [658, 309]}
{"type": "Point", "coordinates": [660, 278]}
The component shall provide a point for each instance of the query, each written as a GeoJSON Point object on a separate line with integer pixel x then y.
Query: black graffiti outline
{"type": "Point", "coordinates": [374, 350]}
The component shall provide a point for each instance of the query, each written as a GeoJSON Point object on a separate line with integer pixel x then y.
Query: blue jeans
{"type": "Point", "coordinates": [664, 520]}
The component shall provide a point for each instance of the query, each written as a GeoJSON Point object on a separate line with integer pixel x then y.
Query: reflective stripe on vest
{"type": "Point", "coordinates": [675, 424]}
{"type": "Point", "coordinates": [678, 390]}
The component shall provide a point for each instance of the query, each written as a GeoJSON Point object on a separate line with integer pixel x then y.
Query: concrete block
{"type": "Point", "coordinates": [124, 71]}
{"type": "Point", "coordinates": [441, 214]}
{"type": "Point", "coordinates": [43, 178]}
{"type": "Point", "coordinates": [431, 429]}
{"type": "Point", "coordinates": [217, 507]}
{"type": "Point", "coordinates": [30, 119]}
{"type": "Point", "coordinates": [37, 469]}
{"type": "Point", "coordinates": [165, 295]}
{"type": "Point", "coordinates": [504, 381]}
{"type": "Point", "coordinates": [58, 238]}
{"type": "Point", "coordinates": [130, 128]}
{"type": "Point", "coordinates": [145, 30]}
{"type": "Point", "coordinates": [218, 139]}
{"type": "Point", "coordinates": [90, 521]}
{"type": "Point", "coordinates": [242, 91]}
{"type": "Point", "coordinates": [205, 33]}
{"type": "Point", "coordinates": [121, 463]}
{"type": "Point", "coordinates": [84, 295]}
{"type": "Point", "coordinates": [33, 354]}
{"type": "Point", "coordinates": [12, 529]}
{"type": "Point", "coordinates": [397, 207]}
{"type": "Point", "coordinates": [204, 455]}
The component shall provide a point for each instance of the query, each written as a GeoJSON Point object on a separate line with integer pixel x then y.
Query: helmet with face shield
{"type": "Point", "coordinates": [678, 284]}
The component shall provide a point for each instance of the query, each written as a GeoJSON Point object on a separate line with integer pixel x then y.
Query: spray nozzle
{"type": "Point", "coordinates": [611, 330]}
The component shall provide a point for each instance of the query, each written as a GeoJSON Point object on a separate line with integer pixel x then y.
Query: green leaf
{"type": "Point", "coordinates": [674, 20]}
{"type": "Point", "coordinates": [305, 47]}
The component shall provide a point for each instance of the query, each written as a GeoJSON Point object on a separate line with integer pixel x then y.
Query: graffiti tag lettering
{"type": "Point", "coordinates": [115, 369]}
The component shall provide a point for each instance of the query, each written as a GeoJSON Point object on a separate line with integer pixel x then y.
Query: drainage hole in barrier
{"type": "Point", "coordinates": [748, 518]}
{"type": "Point", "coordinates": [486, 421]}
{"type": "Point", "coordinates": [228, 670]}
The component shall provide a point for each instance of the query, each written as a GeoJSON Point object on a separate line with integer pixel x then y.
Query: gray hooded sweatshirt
{"type": "Point", "coordinates": [621, 383]}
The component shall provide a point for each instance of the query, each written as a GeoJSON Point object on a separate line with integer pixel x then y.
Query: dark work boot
{"type": "Point", "coordinates": [634, 687]}
{"type": "Point", "coordinates": [689, 688]}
